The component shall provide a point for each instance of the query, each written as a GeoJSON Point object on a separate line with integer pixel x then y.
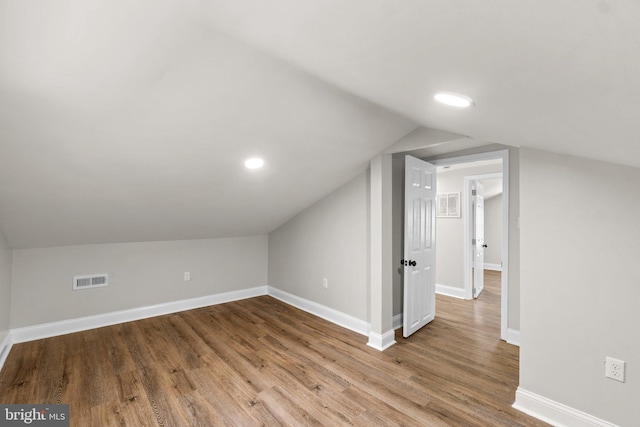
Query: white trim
{"type": "Point", "coordinates": [382, 342]}
{"type": "Point", "coordinates": [327, 313]}
{"type": "Point", "coordinates": [5, 348]}
{"type": "Point", "coordinates": [513, 337]}
{"type": "Point", "coordinates": [494, 267]}
{"type": "Point", "coordinates": [506, 221]}
{"type": "Point", "coordinates": [555, 413]}
{"type": "Point", "coordinates": [451, 291]}
{"type": "Point", "coordinates": [53, 329]}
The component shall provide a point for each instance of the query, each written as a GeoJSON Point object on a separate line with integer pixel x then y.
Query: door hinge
{"type": "Point", "coordinates": [473, 192]}
{"type": "Point", "coordinates": [473, 241]}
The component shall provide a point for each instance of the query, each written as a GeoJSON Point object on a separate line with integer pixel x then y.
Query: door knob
{"type": "Point", "coordinates": [412, 263]}
{"type": "Point", "coordinates": [485, 246]}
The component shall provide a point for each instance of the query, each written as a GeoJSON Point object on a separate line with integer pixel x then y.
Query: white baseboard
{"type": "Point", "coordinates": [382, 342]}
{"type": "Point", "coordinates": [494, 267]}
{"type": "Point", "coordinates": [334, 316]}
{"type": "Point", "coordinates": [52, 329]}
{"type": "Point", "coordinates": [513, 337]}
{"type": "Point", "coordinates": [555, 413]}
{"type": "Point", "coordinates": [5, 348]}
{"type": "Point", "coordinates": [450, 291]}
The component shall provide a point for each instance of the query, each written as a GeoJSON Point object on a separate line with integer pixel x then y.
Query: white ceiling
{"type": "Point", "coordinates": [130, 120]}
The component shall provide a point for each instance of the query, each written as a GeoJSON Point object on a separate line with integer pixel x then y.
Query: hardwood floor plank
{"type": "Point", "coordinates": [134, 341]}
{"type": "Point", "coordinates": [131, 394]}
{"type": "Point", "coordinates": [203, 411]}
{"type": "Point", "coordinates": [312, 393]}
{"type": "Point", "coordinates": [217, 403]}
{"type": "Point", "coordinates": [224, 356]}
{"type": "Point", "coordinates": [287, 409]}
{"type": "Point", "coordinates": [78, 392]}
{"type": "Point", "coordinates": [165, 405]}
{"type": "Point", "coordinates": [260, 361]}
{"type": "Point", "coordinates": [119, 358]}
{"type": "Point", "coordinates": [383, 412]}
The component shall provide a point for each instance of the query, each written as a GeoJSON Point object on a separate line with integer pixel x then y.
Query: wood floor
{"type": "Point", "coordinates": [262, 362]}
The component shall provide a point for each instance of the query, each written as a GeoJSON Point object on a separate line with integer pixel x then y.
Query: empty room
{"type": "Point", "coordinates": [245, 213]}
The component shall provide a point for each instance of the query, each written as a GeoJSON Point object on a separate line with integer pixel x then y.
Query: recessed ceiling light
{"type": "Point", "coordinates": [454, 99]}
{"type": "Point", "coordinates": [254, 163]}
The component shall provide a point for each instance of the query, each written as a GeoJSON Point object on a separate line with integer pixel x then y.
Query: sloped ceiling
{"type": "Point", "coordinates": [130, 120]}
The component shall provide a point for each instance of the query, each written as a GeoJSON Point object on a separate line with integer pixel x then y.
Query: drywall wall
{"type": "Point", "coordinates": [327, 240]}
{"type": "Point", "coordinates": [493, 230]}
{"type": "Point", "coordinates": [140, 274]}
{"type": "Point", "coordinates": [580, 239]}
{"type": "Point", "coordinates": [450, 234]}
{"type": "Point", "coordinates": [5, 288]}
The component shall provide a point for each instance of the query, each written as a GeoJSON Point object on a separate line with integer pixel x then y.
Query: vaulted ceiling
{"type": "Point", "coordinates": [130, 120]}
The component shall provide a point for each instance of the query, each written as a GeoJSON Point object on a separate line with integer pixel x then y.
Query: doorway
{"type": "Point", "coordinates": [482, 226]}
{"type": "Point", "coordinates": [500, 158]}
{"type": "Point", "coordinates": [442, 242]}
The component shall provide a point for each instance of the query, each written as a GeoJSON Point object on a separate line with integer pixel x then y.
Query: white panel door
{"type": "Point", "coordinates": [478, 238]}
{"type": "Point", "coordinates": [419, 245]}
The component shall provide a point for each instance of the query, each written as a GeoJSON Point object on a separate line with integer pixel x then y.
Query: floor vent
{"type": "Point", "coordinates": [90, 281]}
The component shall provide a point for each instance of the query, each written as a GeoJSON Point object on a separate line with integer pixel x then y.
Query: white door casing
{"type": "Point", "coordinates": [419, 245]}
{"type": "Point", "coordinates": [478, 238]}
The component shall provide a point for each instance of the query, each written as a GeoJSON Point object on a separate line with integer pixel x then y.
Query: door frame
{"type": "Point", "coordinates": [504, 292]}
{"type": "Point", "coordinates": [468, 227]}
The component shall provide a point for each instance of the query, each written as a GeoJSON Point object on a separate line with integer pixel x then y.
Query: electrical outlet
{"type": "Point", "coordinates": [187, 276]}
{"type": "Point", "coordinates": [325, 283]}
{"type": "Point", "coordinates": [614, 369]}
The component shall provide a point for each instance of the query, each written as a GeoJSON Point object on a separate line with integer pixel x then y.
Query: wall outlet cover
{"type": "Point", "coordinates": [614, 369]}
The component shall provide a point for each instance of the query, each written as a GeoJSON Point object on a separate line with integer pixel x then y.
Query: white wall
{"type": "Point", "coordinates": [493, 230]}
{"type": "Point", "coordinates": [450, 234]}
{"type": "Point", "coordinates": [5, 288]}
{"type": "Point", "coordinates": [328, 239]}
{"type": "Point", "coordinates": [580, 234]}
{"type": "Point", "coordinates": [140, 274]}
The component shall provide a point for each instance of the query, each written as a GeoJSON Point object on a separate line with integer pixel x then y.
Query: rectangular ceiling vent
{"type": "Point", "coordinates": [90, 281]}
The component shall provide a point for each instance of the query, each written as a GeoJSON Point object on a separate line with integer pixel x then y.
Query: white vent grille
{"type": "Point", "coordinates": [90, 281]}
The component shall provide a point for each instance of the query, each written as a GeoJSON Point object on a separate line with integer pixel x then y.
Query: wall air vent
{"type": "Point", "coordinates": [90, 281]}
